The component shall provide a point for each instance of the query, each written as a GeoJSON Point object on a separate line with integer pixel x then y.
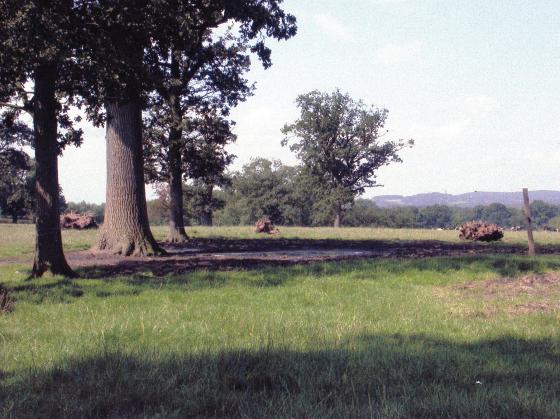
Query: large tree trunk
{"type": "Point", "coordinates": [126, 230]}
{"type": "Point", "coordinates": [49, 254]}
{"type": "Point", "coordinates": [337, 216]}
{"type": "Point", "coordinates": [14, 218]}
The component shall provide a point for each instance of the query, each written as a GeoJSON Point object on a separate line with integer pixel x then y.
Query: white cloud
{"type": "Point", "coordinates": [391, 54]}
{"type": "Point", "coordinates": [331, 24]}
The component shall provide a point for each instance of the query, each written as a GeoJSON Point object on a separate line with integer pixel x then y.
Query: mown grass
{"type": "Point", "coordinates": [19, 239]}
{"type": "Point", "coordinates": [383, 338]}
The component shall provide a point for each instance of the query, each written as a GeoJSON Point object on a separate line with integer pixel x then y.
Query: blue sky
{"type": "Point", "coordinates": [475, 83]}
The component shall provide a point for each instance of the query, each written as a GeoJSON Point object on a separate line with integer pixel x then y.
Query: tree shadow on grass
{"type": "Point", "coordinates": [105, 282]}
{"type": "Point", "coordinates": [366, 376]}
{"type": "Point", "coordinates": [396, 246]}
{"type": "Point", "coordinates": [200, 254]}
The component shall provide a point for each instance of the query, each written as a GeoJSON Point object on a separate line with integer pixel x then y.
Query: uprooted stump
{"type": "Point", "coordinates": [77, 221]}
{"type": "Point", "coordinates": [264, 225]}
{"type": "Point", "coordinates": [6, 302]}
{"type": "Point", "coordinates": [480, 231]}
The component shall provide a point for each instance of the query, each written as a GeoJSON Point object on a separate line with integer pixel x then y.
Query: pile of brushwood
{"type": "Point", "coordinates": [264, 225]}
{"type": "Point", "coordinates": [6, 302]}
{"type": "Point", "coordinates": [480, 231]}
{"type": "Point", "coordinates": [77, 221]}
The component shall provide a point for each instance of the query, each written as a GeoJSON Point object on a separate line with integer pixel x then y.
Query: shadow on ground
{"type": "Point", "coordinates": [366, 376]}
{"type": "Point", "coordinates": [224, 255]}
{"type": "Point", "coordinates": [135, 277]}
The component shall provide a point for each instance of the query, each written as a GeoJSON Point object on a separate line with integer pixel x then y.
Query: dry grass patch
{"type": "Point", "coordinates": [528, 294]}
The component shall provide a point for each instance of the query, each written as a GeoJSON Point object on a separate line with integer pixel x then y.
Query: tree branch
{"type": "Point", "coordinates": [17, 107]}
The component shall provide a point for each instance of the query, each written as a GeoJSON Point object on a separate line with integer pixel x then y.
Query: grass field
{"type": "Point", "coordinates": [437, 337]}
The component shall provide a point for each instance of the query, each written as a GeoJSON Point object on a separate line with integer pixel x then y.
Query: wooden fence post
{"type": "Point", "coordinates": [527, 211]}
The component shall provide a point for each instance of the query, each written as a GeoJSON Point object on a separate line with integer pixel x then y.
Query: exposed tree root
{"type": "Point", "coordinates": [56, 267]}
{"type": "Point", "coordinates": [177, 236]}
{"type": "Point", "coordinates": [129, 246]}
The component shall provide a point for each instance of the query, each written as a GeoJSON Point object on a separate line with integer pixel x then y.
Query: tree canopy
{"type": "Point", "coordinates": [338, 141]}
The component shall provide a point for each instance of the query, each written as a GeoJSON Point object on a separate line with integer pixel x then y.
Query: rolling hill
{"type": "Point", "coordinates": [466, 200]}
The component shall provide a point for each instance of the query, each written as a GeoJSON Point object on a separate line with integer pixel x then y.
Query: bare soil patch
{"type": "Point", "coordinates": [524, 295]}
{"type": "Point", "coordinates": [224, 254]}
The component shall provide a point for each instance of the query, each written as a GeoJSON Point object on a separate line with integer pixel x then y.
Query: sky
{"type": "Point", "coordinates": [474, 82]}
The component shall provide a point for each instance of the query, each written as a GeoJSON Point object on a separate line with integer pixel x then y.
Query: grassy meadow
{"type": "Point", "coordinates": [437, 337]}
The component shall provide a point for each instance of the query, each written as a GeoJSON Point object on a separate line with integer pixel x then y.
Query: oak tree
{"type": "Point", "coordinates": [139, 48]}
{"type": "Point", "coordinates": [204, 72]}
{"type": "Point", "coordinates": [37, 76]}
{"type": "Point", "coordinates": [338, 141]}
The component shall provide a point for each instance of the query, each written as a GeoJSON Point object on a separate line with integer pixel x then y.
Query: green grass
{"type": "Point", "coordinates": [19, 239]}
{"type": "Point", "coordinates": [384, 338]}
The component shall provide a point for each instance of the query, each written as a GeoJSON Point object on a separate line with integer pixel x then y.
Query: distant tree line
{"type": "Point", "coordinates": [289, 196]}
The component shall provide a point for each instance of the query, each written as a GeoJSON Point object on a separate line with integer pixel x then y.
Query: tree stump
{"type": "Point", "coordinates": [264, 225]}
{"type": "Point", "coordinates": [480, 231]}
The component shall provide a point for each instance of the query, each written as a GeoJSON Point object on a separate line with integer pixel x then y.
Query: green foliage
{"type": "Point", "coordinates": [156, 50]}
{"type": "Point", "coordinates": [266, 188]}
{"type": "Point", "coordinates": [542, 213]}
{"type": "Point", "coordinates": [494, 213]}
{"type": "Point", "coordinates": [37, 35]}
{"type": "Point", "coordinates": [365, 213]}
{"type": "Point", "coordinates": [289, 195]}
{"type": "Point", "coordinates": [16, 169]}
{"type": "Point", "coordinates": [202, 201]}
{"type": "Point", "coordinates": [337, 140]}
{"type": "Point", "coordinates": [436, 216]}
{"type": "Point", "coordinates": [554, 222]}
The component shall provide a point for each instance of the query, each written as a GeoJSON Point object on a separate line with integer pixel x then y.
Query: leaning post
{"type": "Point", "coordinates": [527, 211]}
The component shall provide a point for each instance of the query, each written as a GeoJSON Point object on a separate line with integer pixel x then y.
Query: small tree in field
{"type": "Point", "coordinates": [338, 141]}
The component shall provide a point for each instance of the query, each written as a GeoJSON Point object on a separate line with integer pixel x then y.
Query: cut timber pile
{"type": "Point", "coordinates": [264, 225]}
{"type": "Point", "coordinates": [480, 231]}
{"type": "Point", "coordinates": [77, 221]}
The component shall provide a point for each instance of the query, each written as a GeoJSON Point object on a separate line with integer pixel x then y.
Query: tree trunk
{"type": "Point", "coordinates": [126, 230]}
{"type": "Point", "coordinates": [177, 233]}
{"type": "Point", "coordinates": [49, 254]}
{"type": "Point", "coordinates": [206, 219]}
{"type": "Point", "coordinates": [206, 215]}
{"type": "Point", "coordinates": [14, 218]}
{"type": "Point", "coordinates": [337, 215]}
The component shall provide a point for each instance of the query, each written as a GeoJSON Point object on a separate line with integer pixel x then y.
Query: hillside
{"type": "Point", "coordinates": [466, 200]}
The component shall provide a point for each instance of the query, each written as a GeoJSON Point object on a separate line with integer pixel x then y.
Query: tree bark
{"type": "Point", "coordinates": [14, 219]}
{"type": "Point", "coordinates": [125, 229]}
{"type": "Point", "coordinates": [337, 216]}
{"type": "Point", "coordinates": [49, 254]}
{"type": "Point", "coordinates": [206, 216]}
{"type": "Point", "coordinates": [177, 233]}
{"type": "Point", "coordinates": [206, 219]}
